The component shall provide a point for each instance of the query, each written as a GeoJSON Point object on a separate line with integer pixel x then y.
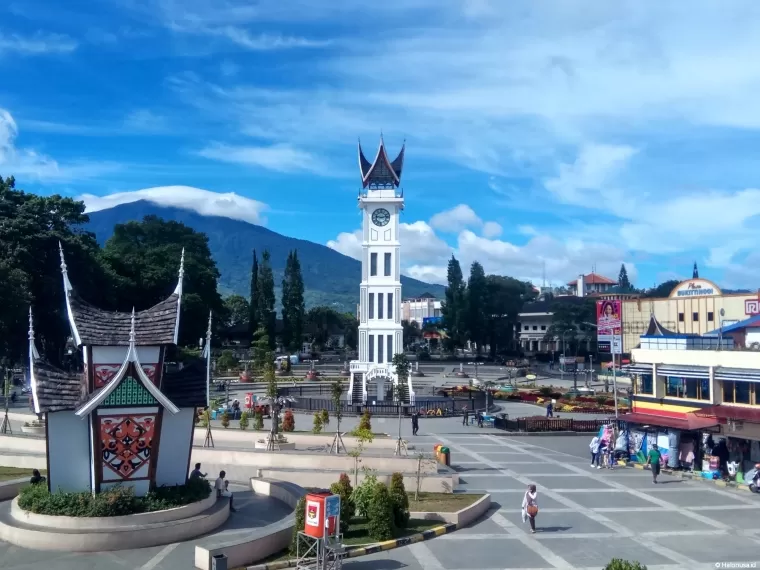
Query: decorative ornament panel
{"type": "Point", "coordinates": [129, 392]}
{"type": "Point", "coordinates": [127, 443]}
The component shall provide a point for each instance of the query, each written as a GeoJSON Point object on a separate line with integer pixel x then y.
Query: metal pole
{"type": "Point", "coordinates": [614, 386]}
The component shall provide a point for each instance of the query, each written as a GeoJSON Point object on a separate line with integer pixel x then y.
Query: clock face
{"type": "Point", "coordinates": [381, 217]}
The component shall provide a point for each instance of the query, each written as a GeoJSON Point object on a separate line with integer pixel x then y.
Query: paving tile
{"type": "Point", "coordinates": [696, 497]}
{"type": "Point", "coordinates": [596, 552]}
{"type": "Point", "coordinates": [492, 553]}
{"type": "Point", "coordinates": [621, 499]}
{"type": "Point", "coordinates": [492, 482]}
{"type": "Point", "coordinates": [513, 501]}
{"type": "Point", "coordinates": [712, 551]}
{"type": "Point", "coordinates": [657, 521]}
{"type": "Point", "coordinates": [559, 482]}
{"type": "Point", "coordinates": [559, 523]}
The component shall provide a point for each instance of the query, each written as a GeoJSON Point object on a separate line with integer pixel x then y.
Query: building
{"type": "Point", "coordinates": [124, 420]}
{"type": "Point", "coordinates": [691, 386]}
{"type": "Point", "coordinates": [380, 329]}
{"type": "Point", "coordinates": [421, 308]}
{"type": "Point", "coordinates": [535, 320]}
{"type": "Point", "coordinates": [695, 306]}
{"type": "Point", "coordinates": [589, 284]}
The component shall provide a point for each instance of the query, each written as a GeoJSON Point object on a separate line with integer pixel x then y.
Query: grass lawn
{"type": "Point", "coordinates": [10, 473]}
{"type": "Point", "coordinates": [441, 502]}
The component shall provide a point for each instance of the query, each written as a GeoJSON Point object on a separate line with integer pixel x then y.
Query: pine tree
{"type": "Point", "coordinates": [262, 352]}
{"type": "Point", "coordinates": [253, 324]}
{"type": "Point", "coordinates": [453, 306]}
{"type": "Point", "coordinates": [293, 308]}
{"type": "Point", "coordinates": [623, 283]}
{"type": "Point", "coordinates": [477, 288]}
{"type": "Point", "coordinates": [266, 316]}
{"type": "Point", "coordinates": [287, 333]}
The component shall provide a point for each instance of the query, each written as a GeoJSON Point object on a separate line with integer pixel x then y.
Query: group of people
{"type": "Point", "coordinates": [466, 417]}
{"type": "Point", "coordinates": [221, 485]}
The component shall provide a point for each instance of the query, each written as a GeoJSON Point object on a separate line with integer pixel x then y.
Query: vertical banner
{"type": "Point", "coordinates": [609, 326]}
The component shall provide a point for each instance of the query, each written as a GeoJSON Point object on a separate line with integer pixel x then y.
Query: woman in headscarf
{"type": "Point", "coordinates": [530, 507]}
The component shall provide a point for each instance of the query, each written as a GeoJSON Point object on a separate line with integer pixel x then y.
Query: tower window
{"type": "Point", "coordinates": [387, 263]}
{"type": "Point", "coordinates": [389, 339]}
{"type": "Point", "coordinates": [371, 307]}
{"type": "Point", "coordinates": [379, 305]}
{"type": "Point", "coordinates": [680, 317]}
{"type": "Point", "coordinates": [380, 349]}
{"type": "Point", "coordinates": [695, 317]}
{"type": "Point", "coordinates": [390, 305]}
{"type": "Point", "coordinates": [373, 264]}
{"type": "Point", "coordinates": [710, 316]}
{"type": "Point", "coordinates": [371, 355]}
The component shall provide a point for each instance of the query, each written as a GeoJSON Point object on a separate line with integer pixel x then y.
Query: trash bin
{"type": "Point", "coordinates": [219, 562]}
{"type": "Point", "coordinates": [445, 456]}
{"type": "Point", "coordinates": [437, 452]}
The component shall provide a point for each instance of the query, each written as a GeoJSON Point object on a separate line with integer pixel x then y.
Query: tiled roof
{"type": "Point", "coordinates": [593, 279]}
{"type": "Point", "coordinates": [154, 326]}
{"type": "Point", "coordinates": [186, 388]}
{"type": "Point", "coordinates": [57, 390]}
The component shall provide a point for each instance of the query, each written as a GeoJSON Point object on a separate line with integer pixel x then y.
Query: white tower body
{"type": "Point", "coordinates": [380, 330]}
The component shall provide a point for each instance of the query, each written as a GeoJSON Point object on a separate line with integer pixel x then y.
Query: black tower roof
{"type": "Point", "coordinates": [382, 172]}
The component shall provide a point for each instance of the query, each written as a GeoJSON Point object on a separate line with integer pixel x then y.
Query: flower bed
{"type": "Point", "coordinates": [579, 404]}
{"type": "Point", "coordinates": [119, 501]}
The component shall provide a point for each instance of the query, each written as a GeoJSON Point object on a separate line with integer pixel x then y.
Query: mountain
{"type": "Point", "coordinates": [330, 278]}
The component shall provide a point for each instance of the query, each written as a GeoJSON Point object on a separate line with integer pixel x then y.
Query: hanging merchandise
{"type": "Point", "coordinates": [674, 440]}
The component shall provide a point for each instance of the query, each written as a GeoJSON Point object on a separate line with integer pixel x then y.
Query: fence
{"type": "Point", "coordinates": [536, 424]}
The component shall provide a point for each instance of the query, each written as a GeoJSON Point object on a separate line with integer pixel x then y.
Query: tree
{"type": "Point", "coordinates": [453, 308]}
{"type": "Point", "coordinates": [265, 300]}
{"type": "Point", "coordinates": [623, 283]}
{"type": "Point", "coordinates": [238, 310]}
{"type": "Point", "coordinates": [146, 256]}
{"type": "Point", "coordinates": [411, 333]}
{"type": "Point", "coordinates": [505, 298]}
{"type": "Point", "coordinates": [695, 271]}
{"type": "Point", "coordinates": [253, 307]}
{"type": "Point", "coordinates": [322, 321]}
{"type": "Point", "coordinates": [402, 366]}
{"type": "Point", "coordinates": [293, 309]}
{"type": "Point", "coordinates": [662, 290]}
{"type": "Point", "coordinates": [227, 361]}
{"type": "Point", "coordinates": [262, 353]}
{"type": "Point", "coordinates": [477, 290]}
{"type": "Point", "coordinates": [572, 321]}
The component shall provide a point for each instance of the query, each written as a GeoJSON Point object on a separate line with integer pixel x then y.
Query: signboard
{"type": "Point", "coordinates": [432, 321]}
{"type": "Point", "coordinates": [312, 513]}
{"type": "Point", "coordinates": [332, 506]}
{"type": "Point", "coordinates": [695, 288]}
{"type": "Point", "coordinates": [609, 325]}
{"type": "Point", "coordinates": [752, 307]}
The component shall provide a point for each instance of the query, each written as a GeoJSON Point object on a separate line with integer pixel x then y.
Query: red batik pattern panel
{"type": "Point", "coordinates": [150, 372]}
{"type": "Point", "coordinates": [104, 373]}
{"type": "Point", "coordinates": [127, 442]}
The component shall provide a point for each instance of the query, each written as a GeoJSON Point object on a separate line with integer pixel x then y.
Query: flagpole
{"type": "Point", "coordinates": [208, 362]}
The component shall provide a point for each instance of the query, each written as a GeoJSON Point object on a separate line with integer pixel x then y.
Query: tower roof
{"type": "Point", "coordinates": [382, 172]}
{"type": "Point", "coordinates": [90, 326]}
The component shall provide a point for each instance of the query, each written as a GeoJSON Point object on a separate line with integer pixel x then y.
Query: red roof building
{"type": "Point", "coordinates": [592, 283]}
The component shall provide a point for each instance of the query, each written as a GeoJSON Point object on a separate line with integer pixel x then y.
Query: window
{"type": "Point", "coordinates": [373, 264]}
{"type": "Point", "coordinates": [390, 306]}
{"type": "Point", "coordinates": [740, 392]}
{"type": "Point", "coordinates": [380, 349]}
{"type": "Point", "coordinates": [379, 305]}
{"type": "Point", "coordinates": [371, 308]}
{"type": "Point", "coordinates": [387, 263]}
{"type": "Point", "coordinates": [710, 317]}
{"type": "Point", "coordinates": [543, 327]}
{"type": "Point", "coordinates": [691, 388]}
{"type": "Point", "coordinates": [680, 317]}
{"type": "Point", "coordinates": [371, 356]}
{"type": "Point", "coordinates": [526, 328]}
{"type": "Point", "coordinates": [695, 317]}
{"type": "Point", "coordinates": [535, 327]}
{"type": "Point", "coordinates": [645, 384]}
{"type": "Point", "coordinates": [389, 351]}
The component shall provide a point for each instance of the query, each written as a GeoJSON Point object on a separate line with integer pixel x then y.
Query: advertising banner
{"type": "Point", "coordinates": [609, 326]}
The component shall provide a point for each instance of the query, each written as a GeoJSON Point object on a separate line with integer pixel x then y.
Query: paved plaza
{"type": "Point", "coordinates": [587, 516]}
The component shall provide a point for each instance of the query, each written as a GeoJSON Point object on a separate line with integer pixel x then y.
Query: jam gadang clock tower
{"type": "Point", "coordinates": [380, 331]}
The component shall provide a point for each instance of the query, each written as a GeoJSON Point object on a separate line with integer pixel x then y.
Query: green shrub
{"type": "Point", "coordinates": [347, 506]}
{"type": "Point", "coordinates": [362, 495]}
{"type": "Point", "coordinates": [400, 501]}
{"type": "Point", "coordinates": [325, 417]}
{"type": "Point", "coordinates": [619, 564]}
{"type": "Point", "coordinates": [380, 523]}
{"type": "Point", "coordinates": [258, 420]}
{"type": "Point", "coordinates": [225, 420]}
{"type": "Point", "coordinates": [244, 421]}
{"type": "Point", "coordinates": [364, 422]}
{"type": "Point", "coordinates": [317, 427]}
{"type": "Point", "coordinates": [118, 501]}
{"type": "Point", "coordinates": [300, 518]}
{"type": "Point", "coordinates": [545, 390]}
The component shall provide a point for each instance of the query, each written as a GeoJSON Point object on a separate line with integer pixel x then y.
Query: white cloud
{"type": "Point", "coordinates": [38, 44]}
{"type": "Point", "coordinates": [204, 202]}
{"type": "Point", "coordinates": [455, 219]}
{"type": "Point", "coordinates": [146, 121]}
{"type": "Point", "coordinates": [280, 158]}
{"type": "Point", "coordinates": [263, 42]}
{"type": "Point", "coordinates": [492, 230]}
{"type": "Point", "coordinates": [29, 163]}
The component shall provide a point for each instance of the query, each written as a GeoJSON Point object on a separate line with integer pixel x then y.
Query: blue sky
{"type": "Point", "coordinates": [540, 136]}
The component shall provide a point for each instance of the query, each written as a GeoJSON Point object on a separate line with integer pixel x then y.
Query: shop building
{"type": "Point", "coordinates": [535, 320]}
{"type": "Point", "coordinates": [698, 395]}
{"type": "Point", "coordinates": [422, 308]}
{"type": "Point", "coordinates": [693, 307]}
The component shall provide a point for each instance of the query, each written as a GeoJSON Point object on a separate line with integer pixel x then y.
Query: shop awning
{"type": "Point", "coordinates": [691, 422]}
{"type": "Point", "coordinates": [723, 412]}
{"type": "Point", "coordinates": [698, 372]}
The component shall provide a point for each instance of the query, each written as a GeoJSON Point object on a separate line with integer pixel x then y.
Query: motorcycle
{"type": "Point", "coordinates": [752, 478]}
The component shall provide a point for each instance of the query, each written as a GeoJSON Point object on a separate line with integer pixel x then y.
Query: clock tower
{"type": "Point", "coordinates": [380, 331]}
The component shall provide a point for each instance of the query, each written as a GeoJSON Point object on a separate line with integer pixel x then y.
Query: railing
{"type": "Point", "coordinates": [538, 424]}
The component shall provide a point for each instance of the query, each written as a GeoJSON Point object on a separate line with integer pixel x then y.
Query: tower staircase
{"type": "Point", "coordinates": [357, 389]}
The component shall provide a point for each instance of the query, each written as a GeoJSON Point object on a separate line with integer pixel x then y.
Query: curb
{"type": "Point", "coordinates": [691, 477]}
{"type": "Point", "coordinates": [354, 552]}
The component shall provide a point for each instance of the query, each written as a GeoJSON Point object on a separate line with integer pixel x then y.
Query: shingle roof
{"type": "Point", "coordinates": [186, 388]}
{"type": "Point", "coordinates": [96, 327]}
{"type": "Point", "coordinates": [594, 279]}
{"type": "Point", "coordinates": [381, 173]}
{"type": "Point", "coordinates": [57, 390]}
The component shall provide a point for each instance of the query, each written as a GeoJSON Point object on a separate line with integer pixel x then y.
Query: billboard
{"type": "Point", "coordinates": [609, 326]}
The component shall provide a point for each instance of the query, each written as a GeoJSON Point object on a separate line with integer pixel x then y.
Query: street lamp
{"type": "Point", "coordinates": [476, 364]}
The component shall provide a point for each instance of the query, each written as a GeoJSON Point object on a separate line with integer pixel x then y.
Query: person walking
{"type": "Point", "coordinates": [530, 507]}
{"type": "Point", "coordinates": [549, 410]}
{"type": "Point", "coordinates": [465, 416]}
{"type": "Point", "coordinates": [594, 447]}
{"type": "Point", "coordinates": [653, 460]}
{"type": "Point", "coordinates": [415, 422]}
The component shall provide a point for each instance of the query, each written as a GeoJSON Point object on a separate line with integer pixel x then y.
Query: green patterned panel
{"type": "Point", "coordinates": [130, 392]}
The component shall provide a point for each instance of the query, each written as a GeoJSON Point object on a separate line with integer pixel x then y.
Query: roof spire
{"type": "Point", "coordinates": [31, 326]}
{"type": "Point", "coordinates": [64, 270]}
{"type": "Point", "coordinates": [132, 329]}
{"type": "Point", "coordinates": [178, 288]}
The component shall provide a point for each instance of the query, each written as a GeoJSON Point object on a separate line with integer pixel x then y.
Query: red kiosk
{"type": "Point", "coordinates": [320, 544]}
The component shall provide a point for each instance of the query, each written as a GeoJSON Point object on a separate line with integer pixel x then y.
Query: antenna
{"type": "Point", "coordinates": [544, 274]}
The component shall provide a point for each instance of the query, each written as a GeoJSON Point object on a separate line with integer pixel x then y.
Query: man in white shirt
{"type": "Point", "coordinates": [221, 488]}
